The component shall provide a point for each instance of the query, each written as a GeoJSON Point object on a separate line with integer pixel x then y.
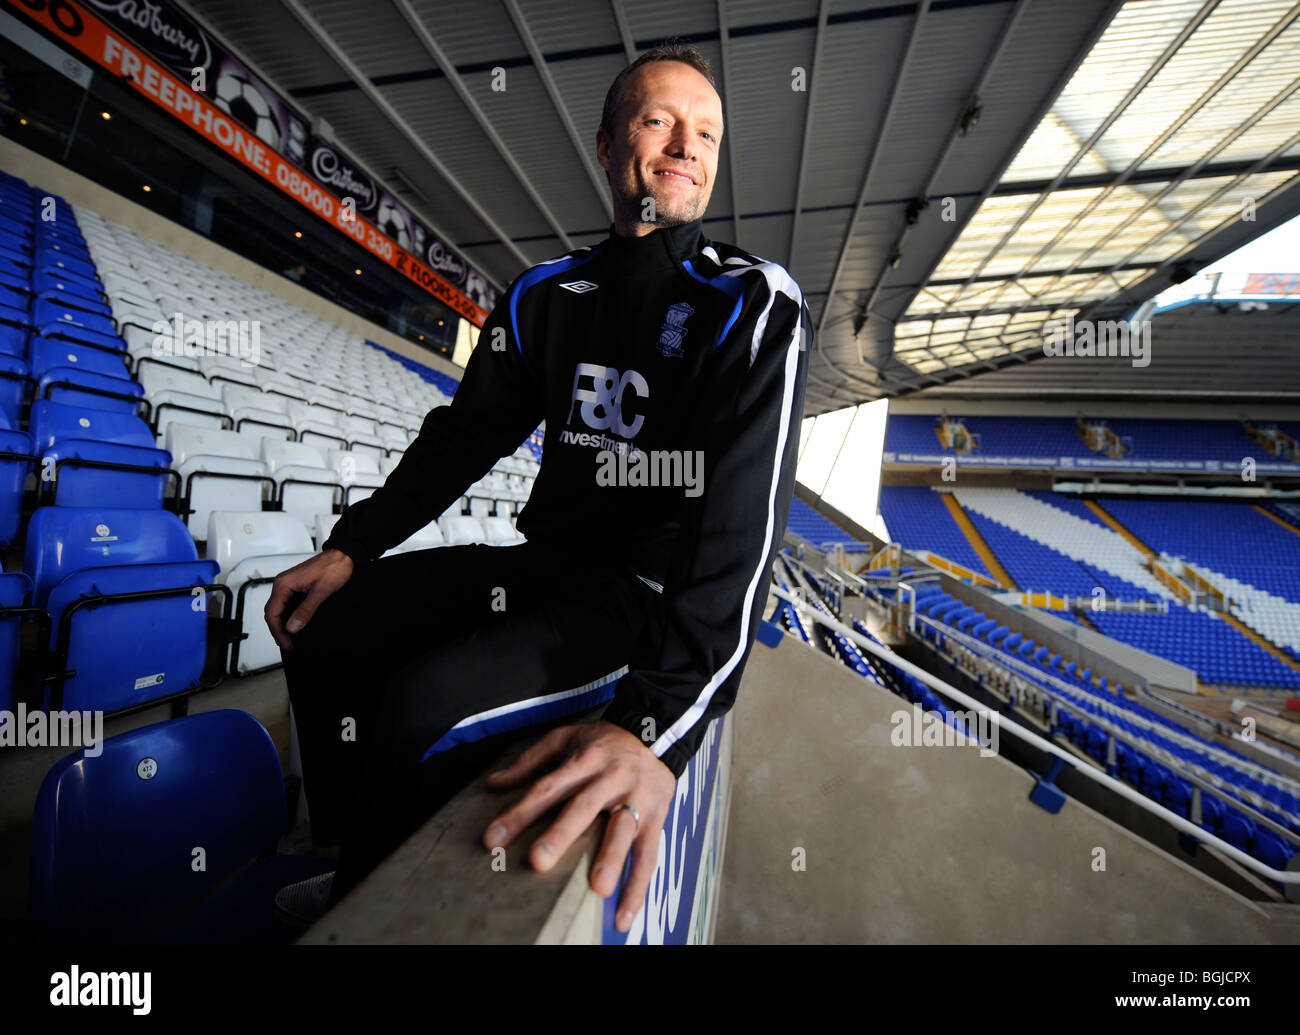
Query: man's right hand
{"type": "Point", "coordinates": [318, 577]}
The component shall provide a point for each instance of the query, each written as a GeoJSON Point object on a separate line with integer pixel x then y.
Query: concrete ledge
{"type": "Point", "coordinates": [443, 887]}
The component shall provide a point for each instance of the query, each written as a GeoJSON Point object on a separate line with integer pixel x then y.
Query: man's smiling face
{"type": "Point", "coordinates": [664, 146]}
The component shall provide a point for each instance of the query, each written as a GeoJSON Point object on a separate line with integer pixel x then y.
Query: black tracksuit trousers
{"type": "Point", "coordinates": [418, 643]}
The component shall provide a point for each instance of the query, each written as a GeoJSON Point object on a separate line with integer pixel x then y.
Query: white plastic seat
{"type": "Point", "coordinates": [162, 376]}
{"type": "Point", "coordinates": [427, 538]}
{"type": "Point", "coordinates": [367, 445]}
{"type": "Point", "coordinates": [361, 408]}
{"type": "Point", "coordinates": [315, 424]}
{"type": "Point", "coordinates": [356, 464]}
{"type": "Point", "coordinates": [322, 395]}
{"type": "Point", "coordinates": [460, 530]}
{"type": "Point", "coordinates": [279, 383]}
{"type": "Point", "coordinates": [299, 454]}
{"type": "Point", "coordinates": [227, 368]}
{"type": "Point", "coordinates": [252, 546]}
{"type": "Point", "coordinates": [235, 536]}
{"type": "Point", "coordinates": [500, 532]}
{"type": "Point", "coordinates": [304, 485]}
{"type": "Point", "coordinates": [323, 526]}
{"type": "Point", "coordinates": [258, 423]}
{"type": "Point", "coordinates": [387, 464]}
{"type": "Point", "coordinates": [238, 396]}
{"type": "Point", "coordinates": [143, 344]}
{"type": "Point", "coordinates": [201, 456]}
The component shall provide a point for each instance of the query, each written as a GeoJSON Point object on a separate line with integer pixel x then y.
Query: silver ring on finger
{"type": "Point", "coordinates": [636, 816]}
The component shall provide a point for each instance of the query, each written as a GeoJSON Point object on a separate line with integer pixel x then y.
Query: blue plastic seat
{"type": "Point", "coordinates": [1238, 829]}
{"type": "Point", "coordinates": [123, 652]}
{"type": "Point", "coordinates": [81, 480]}
{"type": "Point", "coordinates": [77, 386]}
{"type": "Point", "coordinates": [56, 280]}
{"type": "Point", "coordinates": [113, 836]}
{"type": "Point", "coordinates": [15, 591]}
{"type": "Point", "coordinates": [85, 300]}
{"type": "Point", "coordinates": [1178, 795]}
{"type": "Point", "coordinates": [46, 354]}
{"type": "Point", "coordinates": [1096, 742]}
{"type": "Point", "coordinates": [52, 422]}
{"type": "Point", "coordinates": [1272, 851]}
{"type": "Point", "coordinates": [48, 315]}
{"type": "Point", "coordinates": [13, 388]}
{"type": "Point", "coordinates": [1212, 811]}
{"type": "Point", "coordinates": [68, 264]}
{"type": "Point", "coordinates": [15, 463]}
{"type": "Point", "coordinates": [79, 335]}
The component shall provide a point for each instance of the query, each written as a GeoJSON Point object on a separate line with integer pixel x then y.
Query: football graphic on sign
{"type": "Point", "coordinates": [392, 223]}
{"type": "Point", "coordinates": [243, 102]}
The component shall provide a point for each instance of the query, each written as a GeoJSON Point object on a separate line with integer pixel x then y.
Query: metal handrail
{"type": "Point", "coordinates": [1195, 774]}
{"type": "Point", "coordinates": [1024, 669]}
{"type": "Point", "coordinates": [1029, 737]}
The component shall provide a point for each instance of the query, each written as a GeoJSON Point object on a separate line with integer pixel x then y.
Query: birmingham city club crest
{"type": "Point", "coordinates": [673, 331]}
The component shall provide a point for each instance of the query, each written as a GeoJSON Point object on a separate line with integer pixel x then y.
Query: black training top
{"type": "Point", "coordinates": [660, 359]}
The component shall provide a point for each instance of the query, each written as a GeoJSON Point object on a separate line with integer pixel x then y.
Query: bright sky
{"type": "Point", "coordinates": [839, 458]}
{"type": "Point", "coordinates": [1276, 252]}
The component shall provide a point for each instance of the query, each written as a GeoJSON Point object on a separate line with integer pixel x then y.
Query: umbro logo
{"type": "Point", "coordinates": [579, 286]}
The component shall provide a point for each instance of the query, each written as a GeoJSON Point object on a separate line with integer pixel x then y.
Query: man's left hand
{"type": "Point", "coordinates": [601, 766]}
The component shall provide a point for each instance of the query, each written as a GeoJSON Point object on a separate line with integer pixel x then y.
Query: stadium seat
{"type": "Point", "coordinates": [500, 532]}
{"type": "Point", "coordinates": [15, 592]}
{"type": "Point", "coordinates": [461, 530]}
{"type": "Point", "coordinates": [251, 548]}
{"type": "Point", "coordinates": [305, 487]}
{"type": "Point", "coordinates": [122, 652]}
{"type": "Point", "coordinates": [358, 473]}
{"type": "Point", "coordinates": [1238, 829]}
{"type": "Point", "coordinates": [52, 422]}
{"type": "Point", "coordinates": [80, 387]}
{"type": "Point", "coordinates": [15, 463]}
{"type": "Point", "coordinates": [218, 470]}
{"type": "Point", "coordinates": [427, 538]}
{"type": "Point", "coordinates": [115, 835]}
{"type": "Point", "coordinates": [91, 473]}
{"type": "Point", "coordinates": [322, 527]}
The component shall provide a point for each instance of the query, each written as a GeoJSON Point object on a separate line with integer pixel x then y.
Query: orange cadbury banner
{"type": "Point", "coordinates": [80, 30]}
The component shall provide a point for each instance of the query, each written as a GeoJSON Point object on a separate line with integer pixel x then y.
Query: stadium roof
{"type": "Point", "coordinates": [956, 173]}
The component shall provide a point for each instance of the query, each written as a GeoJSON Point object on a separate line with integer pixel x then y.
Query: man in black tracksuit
{"type": "Point", "coordinates": [669, 371]}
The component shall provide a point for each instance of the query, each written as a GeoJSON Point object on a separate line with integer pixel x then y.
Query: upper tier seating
{"type": "Point", "coordinates": [820, 530]}
{"type": "Point", "coordinates": [917, 518]}
{"type": "Point", "coordinates": [1154, 441]}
